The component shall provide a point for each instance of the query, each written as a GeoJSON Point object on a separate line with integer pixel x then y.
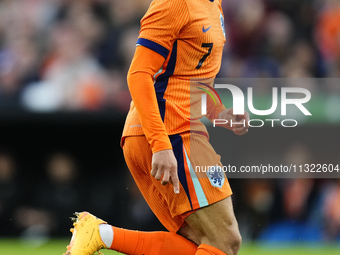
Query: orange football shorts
{"type": "Point", "coordinates": [197, 188]}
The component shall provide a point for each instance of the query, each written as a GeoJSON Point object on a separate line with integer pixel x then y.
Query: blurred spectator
{"type": "Point", "coordinates": [72, 79]}
{"type": "Point", "coordinates": [52, 199]}
{"type": "Point", "coordinates": [258, 205]}
{"type": "Point", "coordinates": [298, 200]}
{"type": "Point", "coordinates": [279, 35]}
{"type": "Point", "coordinates": [297, 192]}
{"type": "Point", "coordinates": [18, 64]}
{"type": "Point", "coordinates": [328, 31]}
{"type": "Point", "coordinates": [10, 193]}
{"type": "Point", "coordinates": [246, 27]}
{"type": "Point", "coordinates": [331, 211]}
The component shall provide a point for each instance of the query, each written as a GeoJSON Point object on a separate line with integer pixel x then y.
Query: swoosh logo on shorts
{"type": "Point", "coordinates": [205, 29]}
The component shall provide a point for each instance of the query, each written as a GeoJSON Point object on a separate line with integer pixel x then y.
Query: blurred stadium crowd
{"type": "Point", "coordinates": [74, 55]}
{"type": "Point", "coordinates": [58, 55]}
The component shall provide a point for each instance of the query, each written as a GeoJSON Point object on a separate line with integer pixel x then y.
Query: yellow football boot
{"type": "Point", "coordinates": [86, 239]}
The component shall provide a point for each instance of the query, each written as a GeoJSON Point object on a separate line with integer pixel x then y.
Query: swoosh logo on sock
{"type": "Point", "coordinates": [205, 29]}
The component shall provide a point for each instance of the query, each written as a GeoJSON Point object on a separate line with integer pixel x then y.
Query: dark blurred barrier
{"type": "Point", "coordinates": [63, 163]}
{"type": "Point", "coordinates": [40, 195]}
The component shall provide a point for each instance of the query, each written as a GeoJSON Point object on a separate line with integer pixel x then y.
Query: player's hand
{"type": "Point", "coordinates": [164, 164]}
{"type": "Point", "coordinates": [238, 129]}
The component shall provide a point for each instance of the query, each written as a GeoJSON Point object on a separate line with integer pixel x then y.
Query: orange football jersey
{"type": "Point", "coordinates": [190, 35]}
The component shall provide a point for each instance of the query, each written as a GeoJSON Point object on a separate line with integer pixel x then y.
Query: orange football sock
{"type": "Point", "coordinates": [205, 249]}
{"type": "Point", "coordinates": [151, 243]}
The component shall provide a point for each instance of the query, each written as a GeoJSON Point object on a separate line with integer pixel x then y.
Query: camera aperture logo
{"type": "Point", "coordinates": [239, 104]}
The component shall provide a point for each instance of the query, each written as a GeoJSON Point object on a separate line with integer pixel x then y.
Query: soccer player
{"type": "Point", "coordinates": [179, 41]}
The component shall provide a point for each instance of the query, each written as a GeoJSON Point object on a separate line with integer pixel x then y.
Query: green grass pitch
{"type": "Point", "coordinates": [57, 247]}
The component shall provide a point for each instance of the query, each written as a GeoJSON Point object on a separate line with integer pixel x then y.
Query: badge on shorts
{"type": "Point", "coordinates": [216, 176]}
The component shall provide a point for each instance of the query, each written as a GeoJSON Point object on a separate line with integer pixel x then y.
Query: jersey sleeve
{"type": "Point", "coordinates": [162, 24]}
{"type": "Point", "coordinates": [214, 111]}
{"type": "Point", "coordinates": [144, 65]}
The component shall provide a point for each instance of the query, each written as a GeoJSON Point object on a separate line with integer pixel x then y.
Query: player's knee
{"type": "Point", "coordinates": [217, 226]}
{"type": "Point", "coordinates": [235, 242]}
{"type": "Point", "coordinates": [230, 242]}
{"type": "Point", "coordinates": [226, 238]}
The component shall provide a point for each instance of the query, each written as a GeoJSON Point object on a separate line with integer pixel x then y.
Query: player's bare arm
{"type": "Point", "coordinates": [238, 129]}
